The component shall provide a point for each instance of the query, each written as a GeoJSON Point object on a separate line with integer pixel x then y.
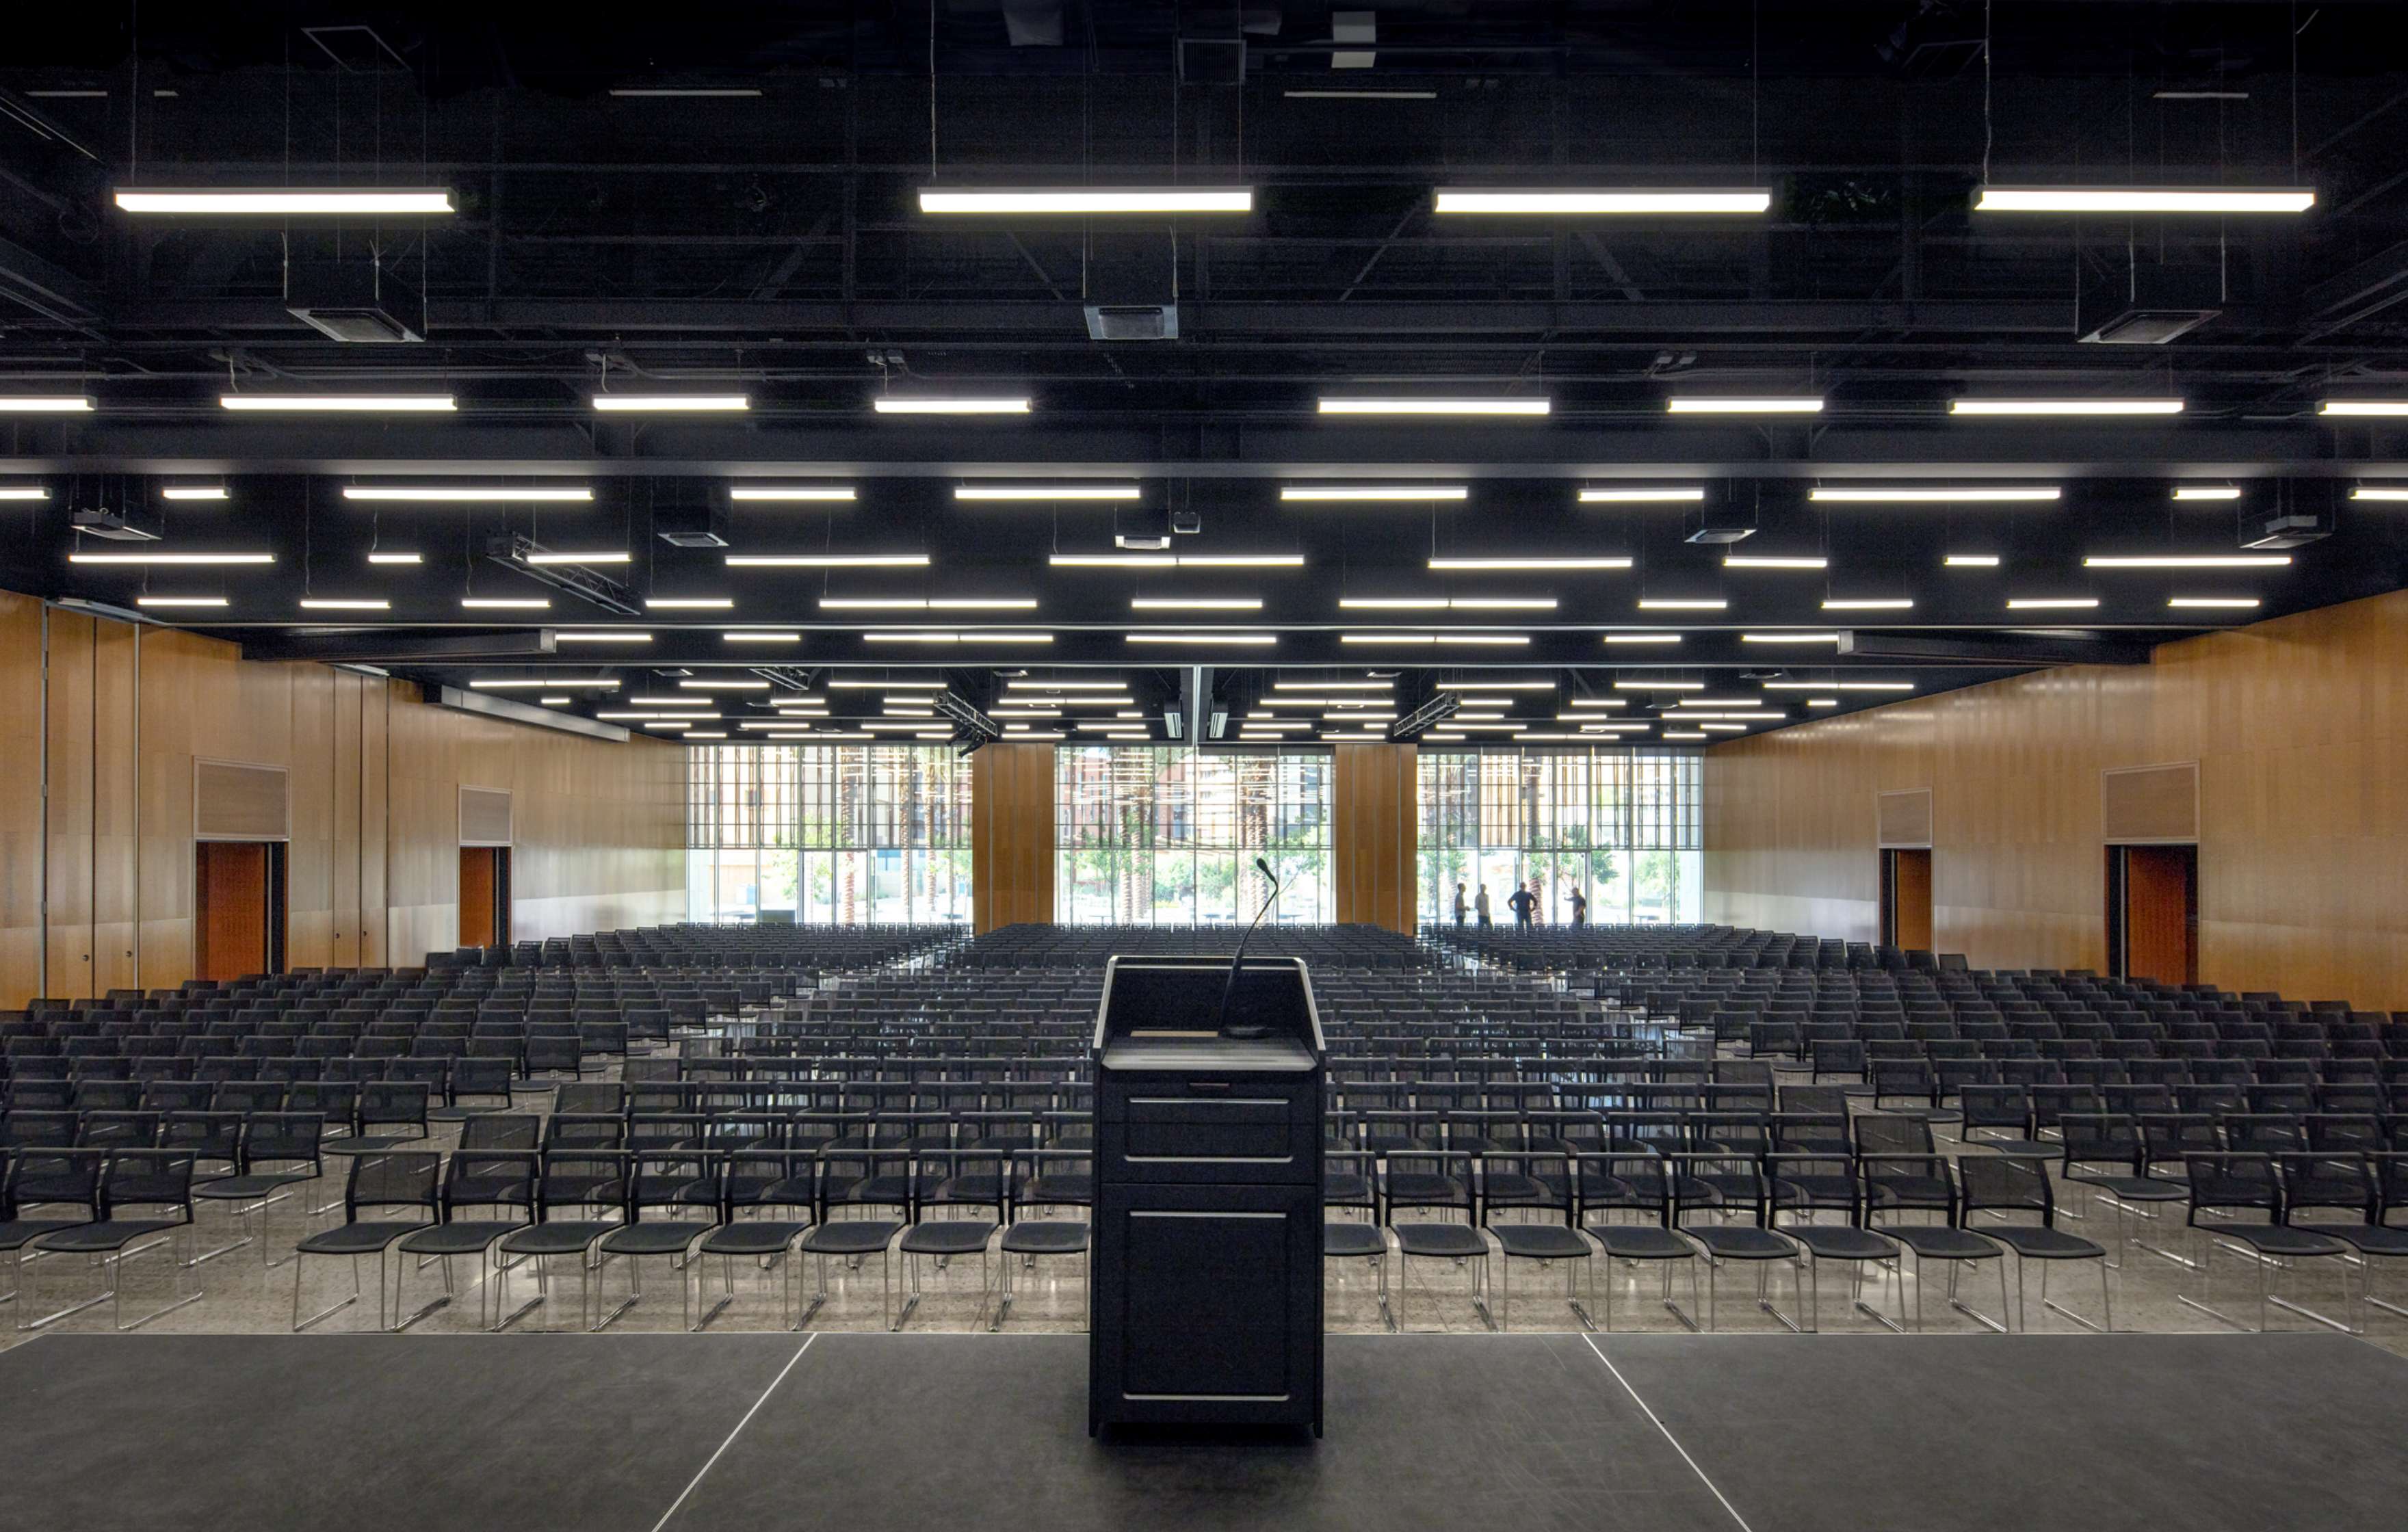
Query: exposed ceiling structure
{"type": "Point", "coordinates": [1976, 436]}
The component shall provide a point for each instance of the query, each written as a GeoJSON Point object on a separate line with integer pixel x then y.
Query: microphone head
{"type": "Point", "coordinates": [1266, 869]}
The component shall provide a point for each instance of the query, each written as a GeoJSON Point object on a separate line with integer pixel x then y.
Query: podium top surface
{"type": "Point", "coordinates": [1187, 1013]}
{"type": "Point", "coordinates": [1207, 1054]}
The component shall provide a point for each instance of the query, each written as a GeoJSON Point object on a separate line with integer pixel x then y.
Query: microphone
{"type": "Point", "coordinates": [1229, 990]}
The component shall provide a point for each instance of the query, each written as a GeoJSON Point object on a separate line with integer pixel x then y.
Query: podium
{"type": "Point", "coordinates": [1207, 1299]}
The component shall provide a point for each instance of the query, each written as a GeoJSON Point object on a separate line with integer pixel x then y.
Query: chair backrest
{"type": "Point", "coordinates": [1884, 1132]}
{"type": "Point", "coordinates": [282, 1138]}
{"type": "Point", "coordinates": [1705, 1181]}
{"type": "Point", "coordinates": [49, 1176]}
{"type": "Point", "coordinates": [582, 1179]}
{"type": "Point", "coordinates": [1910, 1183]}
{"type": "Point", "coordinates": [2231, 1182]}
{"type": "Point", "coordinates": [149, 1179]}
{"type": "Point", "coordinates": [675, 1182]}
{"type": "Point", "coordinates": [1997, 1184]}
{"type": "Point", "coordinates": [394, 1178]}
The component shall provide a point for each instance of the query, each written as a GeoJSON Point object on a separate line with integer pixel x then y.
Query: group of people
{"type": "Point", "coordinates": [1523, 902]}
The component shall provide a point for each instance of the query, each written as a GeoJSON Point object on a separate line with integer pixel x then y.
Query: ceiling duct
{"type": "Point", "coordinates": [511, 551]}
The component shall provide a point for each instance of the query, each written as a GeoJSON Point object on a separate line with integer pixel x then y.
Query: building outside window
{"type": "Point", "coordinates": [1168, 835]}
{"type": "Point", "coordinates": [820, 834]}
{"type": "Point", "coordinates": [1620, 825]}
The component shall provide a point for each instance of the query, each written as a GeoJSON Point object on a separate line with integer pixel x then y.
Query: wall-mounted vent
{"type": "Point", "coordinates": [2151, 804]}
{"type": "Point", "coordinates": [484, 816]}
{"type": "Point", "coordinates": [1903, 820]}
{"type": "Point", "coordinates": [233, 800]}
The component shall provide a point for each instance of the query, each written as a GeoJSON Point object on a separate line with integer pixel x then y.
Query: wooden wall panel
{"type": "Point", "coordinates": [1373, 835]}
{"type": "Point", "coordinates": [1011, 835]}
{"type": "Point", "coordinates": [375, 778]}
{"type": "Point", "coordinates": [2299, 726]}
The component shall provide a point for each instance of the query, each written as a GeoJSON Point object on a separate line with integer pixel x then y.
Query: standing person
{"type": "Point", "coordinates": [1580, 907]}
{"type": "Point", "coordinates": [1480, 905]}
{"type": "Point", "coordinates": [1462, 906]}
{"type": "Point", "coordinates": [1519, 901]}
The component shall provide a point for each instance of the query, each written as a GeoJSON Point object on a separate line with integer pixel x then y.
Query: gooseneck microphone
{"type": "Point", "coordinates": [1229, 990]}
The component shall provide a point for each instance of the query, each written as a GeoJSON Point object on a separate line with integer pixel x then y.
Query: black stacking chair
{"type": "Point", "coordinates": [965, 1177]}
{"type": "Point", "coordinates": [43, 1189]}
{"type": "Point", "coordinates": [1349, 1183]}
{"type": "Point", "coordinates": [389, 1181]}
{"type": "Point", "coordinates": [1436, 1179]}
{"type": "Point", "coordinates": [2226, 1188]}
{"type": "Point", "coordinates": [843, 1172]}
{"type": "Point", "coordinates": [2006, 1187]}
{"type": "Point", "coordinates": [2105, 1150]}
{"type": "Point", "coordinates": [581, 1196]}
{"type": "Point", "coordinates": [1638, 1184]}
{"type": "Point", "coordinates": [674, 1199]}
{"type": "Point", "coordinates": [1706, 1188]}
{"type": "Point", "coordinates": [1027, 1240]}
{"type": "Point", "coordinates": [277, 1153]}
{"type": "Point", "coordinates": [1806, 1184]}
{"type": "Point", "coordinates": [1898, 1185]}
{"type": "Point", "coordinates": [142, 1201]}
{"type": "Point", "coordinates": [1539, 1182]}
{"type": "Point", "coordinates": [478, 1178]}
{"type": "Point", "coordinates": [768, 1198]}
{"type": "Point", "coordinates": [2377, 1238]}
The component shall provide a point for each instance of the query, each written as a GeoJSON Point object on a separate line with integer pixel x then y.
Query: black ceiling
{"type": "Point", "coordinates": [768, 244]}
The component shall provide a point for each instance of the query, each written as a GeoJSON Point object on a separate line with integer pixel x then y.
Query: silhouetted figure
{"type": "Point", "coordinates": [1481, 904]}
{"type": "Point", "coordinates": [1521, 902]}
{"type": "Point", "coordinates": [1462, 906]}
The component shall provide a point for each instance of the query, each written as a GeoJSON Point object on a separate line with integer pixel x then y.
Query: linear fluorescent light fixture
{"type": "Point", "coordinates": [1882, 495]}
{"type": "Point", "coordinates": [1368, 493]}
{"type": "Point", "coordinates": [505, 603]}
{"type": "Point", "coordinates": [2144, 199]}
{"type": "Point", "coordinates": [2208, 491]}
{"type": "Point", "coordinates": [602, 636]}
{"type": "Point", "coordinates": [1175, 561]}
{"type": "Point", "coordinates": [344, 603]}
{"type": "Point", "coordinates": [1669, 494]}
{"type": "Point", "coordinates": [2363, 407]}
{"type": "Point", "coordinates": [2078, 407]}
{"type": "Point", "coordinates": [683, 92]}
{"type": "Point", "coordinates": [866, 683]}
{"type": "Point", "coordinates": [760, 635]}
{"type": "Point", "coordinates": [670, 404]}
{"type": "Point", "coordinates": [933, 637]}
{"type": "Point", "coordinates": [790, 492]}
{"type": "Point", "coordinates": [1486, 640]}
{"type": "Point", "coordinates": [192, 492]}
{"type": "Point", "coordinates": [2051, 602]}
{"type": "Point", "coordinates": [1659, 686]}
{"type": "Point", "coordinates": [1682, 604]}
{"type": "Point", "coordinates": [286, 201]}
{"type": "Point", "coordinates": [1383, 685]}
{"type": "Point", "coordinates": [471, 493]}
{"type": "Point", "coordinates": [1046, 491]}
{"type": "Point", "coordinates": [23, 492]}
{"type": "Point", "coordinates": [1970, 560]}
{"type": "Point", "coordinates": [1642, 638]}
{"type": "Point", "coordinates": [686, 603]}
{"type": "Point", "coordinates": [326, 404]}
{"type": "Point", "coordinates": [1614, 562]}
{"type": "Point", "coordinates": [389, 555]}
{"type": "Point", "coordinates": [1789, 638]}
{"type": "Point", "coordinates": [1709, 404]}
{"type": "Point", "coordinates": [1443, 603]}
{"type": "Point", "coordinates": [1839, 686]}
{"type": "Point", "coordinates": [1774, 560]}
{"type": "Point", "coordinates": [2237, 603]}
{"type": "Point", "coordinates": [723, 685]}
{"type": "Point", "coordinates": [1869, 603]}
{"type": "Point", "coordinates": [1078, 201]}
{"type": "Point", "coordinates": [952, 404]}
{"type": "Point", "coordinates": [590, 555]}
{"type": "Point", "coordinates": [566, 683]}
{"type": "Point", "coordinates": [179, 601]}
{"type": "Point", "coordinates": [1601, 200]}
{"type": "Point", "coordinates": [2379, 492]}
{"type": "Point", "coordinates": [936, 603]}
{"type": "Point", "coordinates": [160, 556]}
{"type": "Point", "coordinates": [827, 561]}
{"type": "Point", "coordinates": [45, 404]}
{"type": "Point", "coordinates": [1195, 603]}
{"type": "Point", "coordinates": [2189, 560]}
{"type": "Point", "coordinates": [1252, 641]}
{"type": "Point", "coordinates": [1406, 407]}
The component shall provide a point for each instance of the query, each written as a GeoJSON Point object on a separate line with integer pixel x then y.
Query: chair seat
{"type": "Point", "coordinates": [17, 1233]}
{"type": "Point", "coordinates": [100, 1239]}
{"type": "Point", "coordinates": [461, 1236]}
{"type": "Point", "coordinates": [1932, 1242]}
{"type": "Point", "coordinates": [2137, 1188]}
{"type": "Point", "coordinates": [2281, 1238]}
{"type": "Point", "coordinates": [1045, 1237]}
{"type": "Point", "coordinates": [850, 1236]}
{"type": "Point", "coordinates": [1345, 1189]}
{"type": "Point", "coordinates": [1740, 1242]}
{"type": "Point", "coordinates": [2372, 1239]}
{"type": "Point", "coordinates": [1440, 1241]}
{"type": "Point", "coordinates": [1919, 1191]}
{"type": "Point", "coordinates": [1079, 1190]}
{"type": "Point", "coordinates": [564, 1237]}
{"type": "Point", "coordinates": [948, 1237]}
{"type": "Point", "coordinates": [1640, 1242]}
{"type": "Point", "coordinates": [668, 1237]}
{"type": "Point", "coordinates": [2019, 1148]}
{"type": "Point", "coordinates": [375, 1143]}
{"type": "Point", "coordinates": [2035, 1243]}
{"type": "Point", "coordinates": [357, 1239]}
{"type": "Point", "coordinates": [1344, 1240]}
{"type": "Point", "coordinates": [752, 1236]}
{"type": "Point", "coordinates": [251, 1187]}
{"type": "Point", "coordinates": [1841, 1242]}
{"type": "Point", "coordinates": [1539, 1242]}
{"type": "Point", "coordinates": [1416, 1188]}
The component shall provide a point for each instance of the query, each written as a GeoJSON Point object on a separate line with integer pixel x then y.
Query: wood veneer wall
{"type": "Point", "coordinates": [1373, 835]}
{"type": "Point", "coordinates": [2300, 726]}
{"type": "Point", "coordinates": [98, 882]}
{"type": "Point", "coordinates": [1011, 835]}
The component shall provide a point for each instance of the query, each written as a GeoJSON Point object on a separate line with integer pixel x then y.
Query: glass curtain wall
{"type": "Point", "coordinates": [1620, 825]}
{"type": "Point", "coordinates": [822, 835]}
{"type": "Point", "coordinates": [1168, 835]}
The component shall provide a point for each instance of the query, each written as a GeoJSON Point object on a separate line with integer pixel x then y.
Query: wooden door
{"type": "Point", "coordinates": [2160, 926]}
{"type": "Point", "coordinates": [478, 890]}
{"type": "Point", "coordinates": [231, 909]}
{"type": "Point", "coordinates": [1906, 899]}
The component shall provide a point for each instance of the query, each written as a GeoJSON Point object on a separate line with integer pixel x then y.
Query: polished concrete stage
{"type": "Point", "coordinates": [654, 1433]}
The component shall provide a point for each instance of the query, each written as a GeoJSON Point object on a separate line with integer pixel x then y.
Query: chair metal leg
{"type": "Point", "coordinates": [299, 1324]}
{"type": "Point", "coordinates": [441, 1300]}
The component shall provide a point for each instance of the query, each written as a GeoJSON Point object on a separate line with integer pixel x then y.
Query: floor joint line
{"type": "Point", "coordinates": [1710, 1486]}
{"type": "Point", "coordinates": [679, 1504]}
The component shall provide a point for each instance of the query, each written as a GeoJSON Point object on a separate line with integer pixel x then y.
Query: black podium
{"type": "Point", "coordinates": [1208, 1197]}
